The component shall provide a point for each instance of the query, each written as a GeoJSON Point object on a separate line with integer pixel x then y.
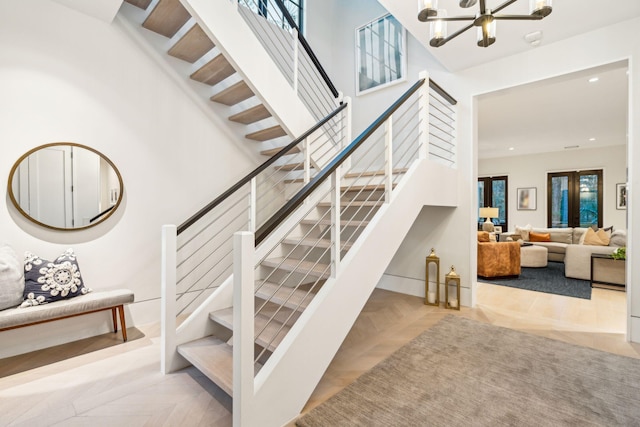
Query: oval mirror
{"type": "Point", "coordinates": [65, 186]}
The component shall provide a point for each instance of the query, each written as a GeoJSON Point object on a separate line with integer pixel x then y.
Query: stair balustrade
{"type": "Point", "coordinates": [281, 38]}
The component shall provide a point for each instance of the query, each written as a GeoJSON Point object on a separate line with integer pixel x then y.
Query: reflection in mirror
{"type": "Point", "coordinates": [65, 186]}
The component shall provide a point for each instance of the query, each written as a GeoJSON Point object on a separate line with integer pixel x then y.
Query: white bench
{"type": "Point", "coordinates": [92, 302]}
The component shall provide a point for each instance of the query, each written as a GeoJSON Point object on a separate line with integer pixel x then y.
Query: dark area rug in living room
{"type": "Point", "coordinates": [549, 279]}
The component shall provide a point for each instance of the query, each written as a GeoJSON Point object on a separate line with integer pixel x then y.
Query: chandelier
{"type": "Point", "coordinates": [485, 19]}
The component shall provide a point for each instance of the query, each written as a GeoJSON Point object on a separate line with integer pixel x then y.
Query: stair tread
{"type": "Point", "coordinates": [251, 115]}
{"type": "Point", "coordinates": [310, 241]}
{"type": "Point", "coordinates": [142, 4]}
{"type": "Point", "coordinates": [266, 134]}
{"type": "Point", "coordinates": [274, 151]}
{"type": "Point", "coordinates": [354, 203]}
{"type": "Point", "coordinates": [374, 173]}
{"type": "Point", "coordinates": [167, 18]}
{"type": "Point", "coordinates": [270, 337]}
{"type": "Point", "coordinates": [318, 270]}
{"type": "Point", "coordinates": [214, 71]}
{"type": "Point", "coordinates": [212, 357]}
{"type": "Point", "coordinates": [368, 187]}
{"type": "Point", "coordinates": [343, 223]}
{"type": "Point", "coordinates": [192, 46]}
{"type": "Point", "coordinates": [295, 299]}
{"type": "Point", "coordinates": [291, 167]}
{"type": "Point", "coordinates": [233, 94]}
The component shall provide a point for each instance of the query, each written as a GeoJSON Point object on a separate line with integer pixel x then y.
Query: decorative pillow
{"type": "Point", "coordinates": [592, 238]}
{"type": "Point", "coordinates": [483, 236]}
{"type": "Point", "coordinates": [524, 231]}
{"type": "Point", "coordinates": [492, 237]}
{"type": "Point", "coordinates": [618, 238]}
{"type": "Point", "coordinates": [47, 281]}
{"type": "Point", "coordinates": [604, 235]}
{"type": "Point", "coordinates": [11, 278]}
{"type": "Point", "coordinates": [539, 237]}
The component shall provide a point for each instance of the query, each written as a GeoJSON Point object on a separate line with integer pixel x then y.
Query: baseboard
{"type": "Point", "coordinates": [415, 287]}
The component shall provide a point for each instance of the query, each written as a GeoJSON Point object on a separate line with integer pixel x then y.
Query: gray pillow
{"type": "Point", "coordinates": [11, 278]}
{"type": "Point", "coordinates": [618, 238]}
{"type": "Point", "coordinates": [49, 281]}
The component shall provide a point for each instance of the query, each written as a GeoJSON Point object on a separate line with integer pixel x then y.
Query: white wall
{"type": "Point", "coordinates": [65, 76]}
{"type": "Point", "coordinates": [531, 171]}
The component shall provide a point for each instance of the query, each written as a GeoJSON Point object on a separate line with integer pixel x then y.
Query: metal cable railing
{"type": "Point", "coordinates": [281, 38]}
{"type": "Point", "coordinates": [204, 247]}
{"type": "Point", "coordinates": [292, 272]}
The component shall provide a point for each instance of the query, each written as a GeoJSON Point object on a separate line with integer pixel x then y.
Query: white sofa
{"type": "Point", "coordinates": [565, 247]}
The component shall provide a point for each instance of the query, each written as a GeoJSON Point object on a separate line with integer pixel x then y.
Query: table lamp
{"type": "Point", "coordinates": [488, 213]}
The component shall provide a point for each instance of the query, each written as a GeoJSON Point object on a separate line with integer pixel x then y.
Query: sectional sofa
{"type": "Point", "coordinates": [565, 245]}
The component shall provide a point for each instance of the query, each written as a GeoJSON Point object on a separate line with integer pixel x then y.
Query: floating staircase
{"type": "Point", "coordinates": [189, 43]}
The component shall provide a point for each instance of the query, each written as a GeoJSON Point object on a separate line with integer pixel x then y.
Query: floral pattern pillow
{"type": "Point", "coordinates": [49, 281]}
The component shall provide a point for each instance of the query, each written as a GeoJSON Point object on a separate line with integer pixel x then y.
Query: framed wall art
{"type": "Point", "coordinates": [527, 199]}
{"type": "Point", "coordinates": [621, 196]}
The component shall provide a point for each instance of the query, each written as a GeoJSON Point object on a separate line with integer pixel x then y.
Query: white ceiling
{"type": "Point", "coordinates": [548, 115]}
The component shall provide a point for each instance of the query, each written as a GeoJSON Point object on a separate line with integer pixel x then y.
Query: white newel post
{"type": "Point", "coordinates": [423, 114]}
{"type": "Point", "coordinates": [168, 298]}
{"type": "Point", "coordinates": [388, 159]}
{"type": "Point", "coordinates": [335, 222]}
{"type": "Point", "coordinates": [243, 329]}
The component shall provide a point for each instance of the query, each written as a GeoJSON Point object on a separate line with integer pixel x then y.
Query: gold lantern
{"type": "Point", "coordinates": [431, 291]}
{"type": "Point", "coordinates": [452, 290]}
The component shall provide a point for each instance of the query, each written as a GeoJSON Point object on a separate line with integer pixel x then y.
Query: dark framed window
{"type": "Point", "coordinates": [574, 199]}
{"type": "Point", "coordinates": [494, 192]}
{"type": "Point", "coordinates": [270, 10]}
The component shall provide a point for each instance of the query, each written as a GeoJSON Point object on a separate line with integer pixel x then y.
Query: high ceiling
{"type": "Point", "coordinates": [546, 116]}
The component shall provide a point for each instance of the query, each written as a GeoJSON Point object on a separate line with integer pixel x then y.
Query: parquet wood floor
{"type": "Point", "coordinates": [96, 383]}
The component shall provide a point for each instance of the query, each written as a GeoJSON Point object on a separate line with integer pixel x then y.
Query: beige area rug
{"type": "Point", "coordinates": [465, 373]}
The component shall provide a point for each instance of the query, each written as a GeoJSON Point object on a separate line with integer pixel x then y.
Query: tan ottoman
{"type": "Point", "coordinates": [533, 256]}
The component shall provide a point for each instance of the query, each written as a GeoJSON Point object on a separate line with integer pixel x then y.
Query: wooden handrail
{"type": "Point", "coordinates": [202, 212]}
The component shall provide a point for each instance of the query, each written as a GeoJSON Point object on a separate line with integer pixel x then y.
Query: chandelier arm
{"type": "Point", "coordinates": [483, 7]}
{"type": "Point", "coordinates": [453, 18]}
{"type": "Point", "coordinates": [518, 17]}
{"type": "Point", "coordinates": [456, 34]}
{"type": "Point", "coordinates": [503, 5]}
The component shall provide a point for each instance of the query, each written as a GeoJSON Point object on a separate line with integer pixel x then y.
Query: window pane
{"type": "Point", "coordinates": [588, 200]}
{"type": "Point", "coordinates": [560, 201]}
{"type": "Point", "coordinates": [498, 199]}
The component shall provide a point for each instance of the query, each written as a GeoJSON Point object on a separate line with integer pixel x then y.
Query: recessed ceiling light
{"type": "Point", "coordinates": [511, 148]}
{"type": "Point", "coordinates": [592, 139]}
{"type": "Point", "coordinates": [593, 79]}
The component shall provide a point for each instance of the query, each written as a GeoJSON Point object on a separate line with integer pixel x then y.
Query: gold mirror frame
{"type": "Point", "coordinates": [69, 144]}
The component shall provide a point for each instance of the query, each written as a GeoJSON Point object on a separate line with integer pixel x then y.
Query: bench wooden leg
{"type": "Point", "coordinates": [123, 325]}
{"type": "Point", "coordinates": [115, 320]}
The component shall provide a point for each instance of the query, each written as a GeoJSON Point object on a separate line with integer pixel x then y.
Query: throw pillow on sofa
{"type": "Point", "coordinates": [483, 236]}
{"type": "Point", "coordinates": [539, 237]}
{"type": "Point", "coordinates": [524, 231]}
{"type": "Point", "coordinates": [11, 278]}
{"type": "Point", "coordinates": [618, 238]}
{"type": "Point", "coordinates": [49, 281]}
{"type": "Point", "coordinates": [596, 239]}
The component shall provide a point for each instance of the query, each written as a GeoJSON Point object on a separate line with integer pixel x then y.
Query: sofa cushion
{"type": "Point", "coordinates": [523, 231]}
{"type": "Point", "coordinates": [11, 278]}
{"type": "Point", "coordinates": [560, 235]}
{"type": "Point", "coordinates": [577, 262]}
{"type": "Point", "coordinates": [618, 238]}
{"type": "Point", "coordinates": [579, 234]}
{"type": "Point", "coordinates": [553, 247]}
{"type": "Point", "coordinates": [47, 281]}
{"type": "Point", "coordinates": [539, 237]}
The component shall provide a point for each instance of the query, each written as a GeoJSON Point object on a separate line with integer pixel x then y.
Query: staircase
{"type": "Point", "coordinates": [213, 73]}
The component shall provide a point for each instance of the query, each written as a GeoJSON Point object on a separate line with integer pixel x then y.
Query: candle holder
{"type": "Point", "coordinates": [452, 290]}
{"type": "Point", "coordinates": [431, 295]}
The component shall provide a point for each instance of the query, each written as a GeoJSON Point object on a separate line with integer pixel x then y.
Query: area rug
{"type": "Point", "coordinates": [549, 279]}
{"type": "Point", "coordinates": [461, 372]}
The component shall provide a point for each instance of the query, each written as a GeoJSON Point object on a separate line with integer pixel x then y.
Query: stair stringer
{"type": "Point", "coordinates": [287, 380]}
{"type": "Point", "coordinates": [221, 21]}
